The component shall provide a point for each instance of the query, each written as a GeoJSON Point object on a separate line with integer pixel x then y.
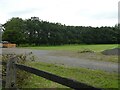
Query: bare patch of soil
{"type": "Point", "coordinates": [115, 51]}
{"type": "Point", "coordinates": [97, 56]}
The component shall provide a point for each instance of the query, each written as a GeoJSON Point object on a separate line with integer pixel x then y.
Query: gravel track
{"type": "Point", "coordinates": [46, 56]}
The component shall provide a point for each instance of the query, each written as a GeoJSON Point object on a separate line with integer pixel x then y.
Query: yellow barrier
{"type": "Point", "coordinates": [9, 45]}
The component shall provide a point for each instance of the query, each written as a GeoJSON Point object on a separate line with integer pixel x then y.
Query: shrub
{"type": "Point", "coordinates": [86, 51]}
{"type": "Point", "coordinates": [22, 76]}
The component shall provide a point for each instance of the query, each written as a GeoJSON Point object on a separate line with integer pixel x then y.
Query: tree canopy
{"type": "Point", "coordinates": [39, 32]}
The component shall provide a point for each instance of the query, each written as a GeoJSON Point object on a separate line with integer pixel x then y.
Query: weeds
{"type": "Point", "coordinates": [86, 51]}
{"type": "Point", "coordinates": [22, 76]}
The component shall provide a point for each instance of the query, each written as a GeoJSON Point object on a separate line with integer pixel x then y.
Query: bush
{"type": "Point", "coordinates": [22, 76]}
{"type": "Point", "coordinates": [86, 51]}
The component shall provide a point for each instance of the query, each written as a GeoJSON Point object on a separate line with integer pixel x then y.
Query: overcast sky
{"type": "Point", "coordinates": [68, 12]}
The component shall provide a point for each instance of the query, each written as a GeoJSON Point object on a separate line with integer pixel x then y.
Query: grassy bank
{"type": "Point", "coordinates": [91, 77]}
{"type": "Point", "coordinates": [97, 47]}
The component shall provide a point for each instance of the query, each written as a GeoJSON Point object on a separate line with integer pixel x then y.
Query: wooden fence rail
{"type": "Point", "coordinates": [11, 76]}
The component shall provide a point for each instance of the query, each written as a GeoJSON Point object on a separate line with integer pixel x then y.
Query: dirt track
{"type": "Point", "coordinates": [49, 57]}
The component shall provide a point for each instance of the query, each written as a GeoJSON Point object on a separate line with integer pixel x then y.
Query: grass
{"type": "Point", "coordinates": [94, 78]}
{"type": "Point", "coordinates": [97, 47]}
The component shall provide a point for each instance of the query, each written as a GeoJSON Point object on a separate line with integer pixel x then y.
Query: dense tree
{"type": "Point", "coordinates": [14, 31]}
{"type": "Point", "coordinates": [38, 32]}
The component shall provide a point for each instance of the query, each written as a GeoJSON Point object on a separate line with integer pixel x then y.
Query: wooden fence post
{"type": "Point", "coordinates": [11, 74]}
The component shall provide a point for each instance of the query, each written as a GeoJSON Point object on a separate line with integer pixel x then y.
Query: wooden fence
{"type": "Point", "coordinates": [12, 67]}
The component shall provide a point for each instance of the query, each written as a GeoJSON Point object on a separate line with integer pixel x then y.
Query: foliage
{"type": "Point", "coordinates": [39, 32]}
{"type": "Point", "coordinates": [14, 31]}
{"type": "Point", "coordinates": [21, 75]}
{"type": "Point", "coordinates": [86, 51]}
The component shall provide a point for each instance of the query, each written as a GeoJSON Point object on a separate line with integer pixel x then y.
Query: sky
{"type": "Point", "coordinates": [94, 13]}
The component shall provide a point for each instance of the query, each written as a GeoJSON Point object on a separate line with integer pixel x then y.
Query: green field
{"type": "Point", "coordinates": [97, 47]}
{"type": "Point", "coordinates": [94, 78]}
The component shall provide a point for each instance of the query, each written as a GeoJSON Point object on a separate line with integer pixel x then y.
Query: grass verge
{"type": "Point", "coordinates": [94, 78]}
{"type": "Point", "coordinates": [97, 47]}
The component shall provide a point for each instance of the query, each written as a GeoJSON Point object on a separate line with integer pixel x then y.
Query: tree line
{"type": "Point", "coordinates": [38, 32]}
